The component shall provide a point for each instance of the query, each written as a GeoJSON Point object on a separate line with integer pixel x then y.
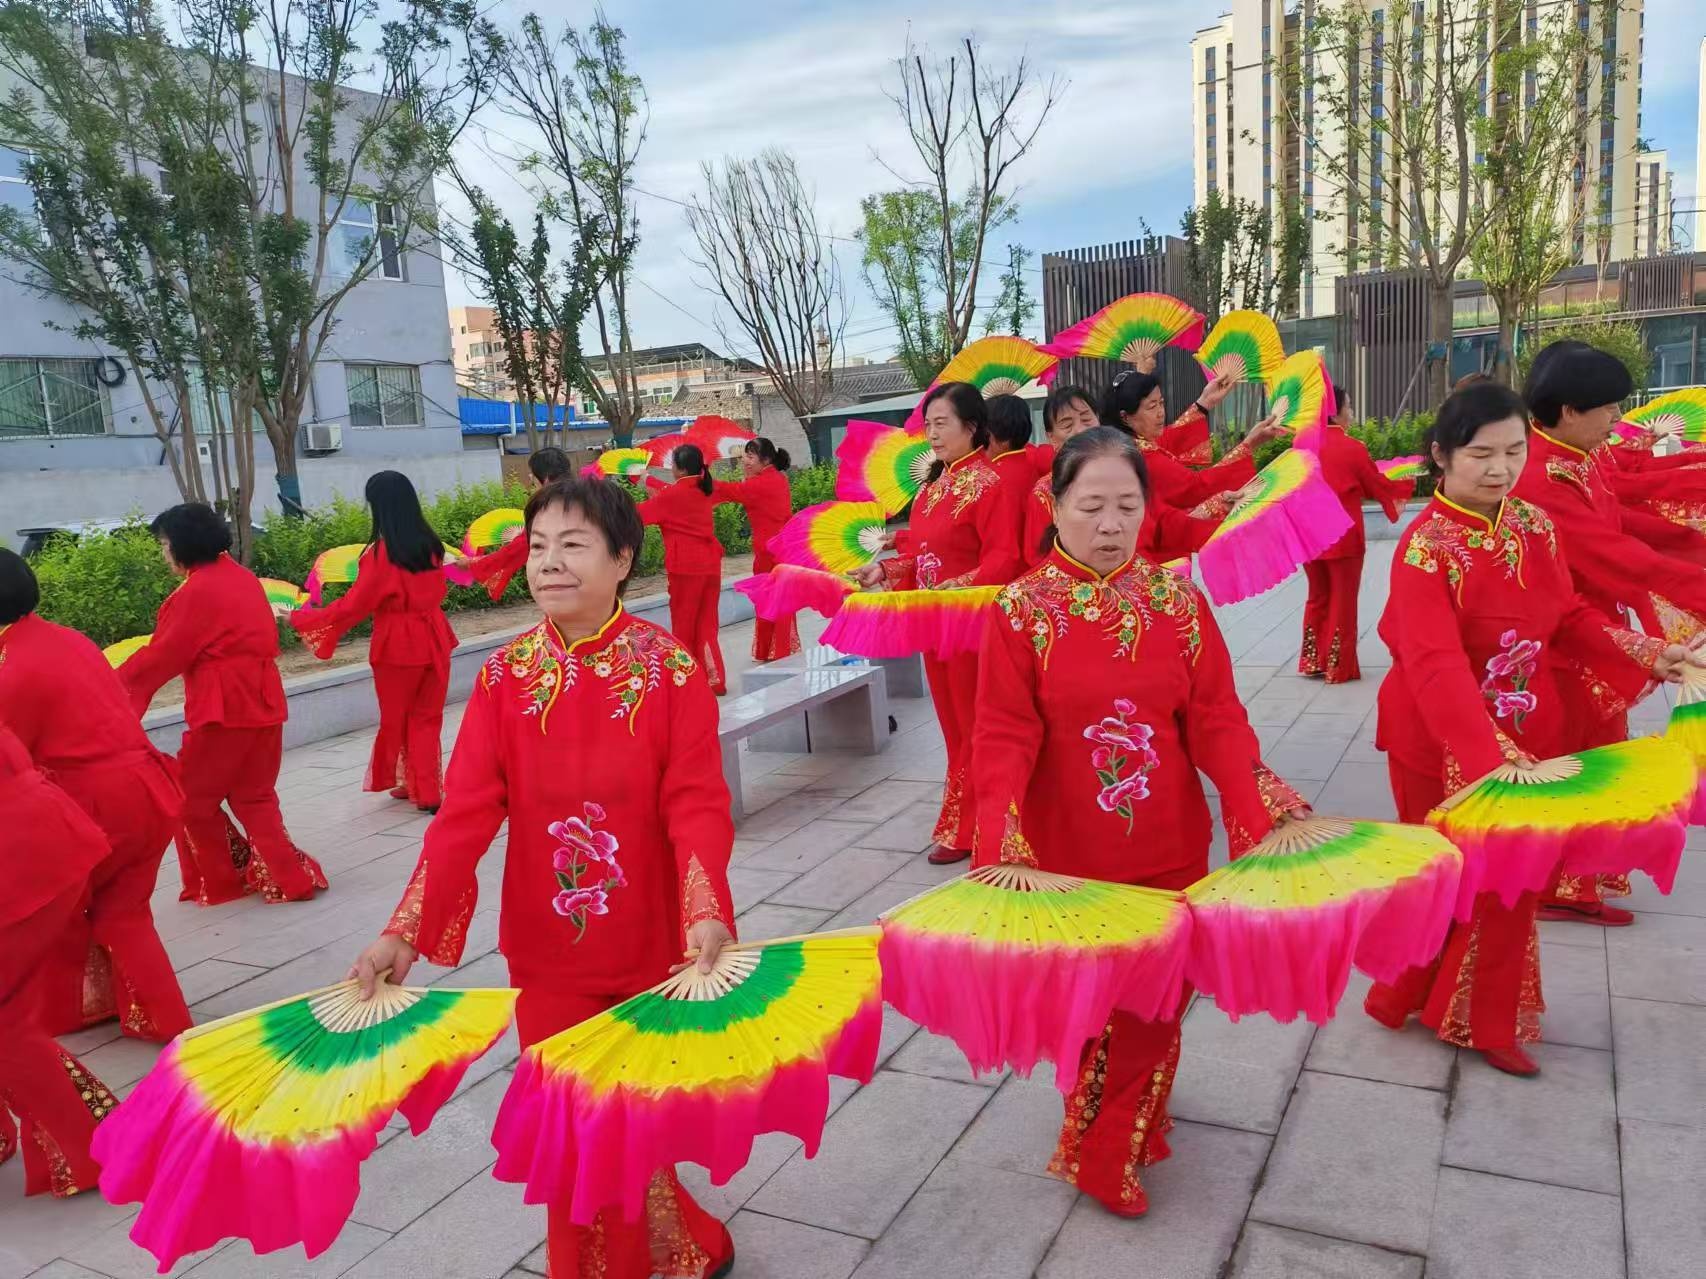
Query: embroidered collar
{"type": "Point", "coordinates": [959, 462]}
{"type": "Point", "coordinates": [1556, 443]}
{"type": "Point", "coordinates": [1009, 453]}
{"type": "Point", "coordinates": [1463, 515]}
{"type": "Point", "coordinates": [602, 633]}
{"type": "Point", "coordinates": [1083, 572]}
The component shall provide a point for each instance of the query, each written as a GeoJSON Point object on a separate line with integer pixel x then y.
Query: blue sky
{"type": "Point", "coordinates": [730, 78]}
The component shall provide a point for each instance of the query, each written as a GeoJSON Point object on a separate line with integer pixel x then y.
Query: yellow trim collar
{"type": "Point", "coordinates": [599, 634]}
{"type": "Point", "coordinates": [1491, 524]}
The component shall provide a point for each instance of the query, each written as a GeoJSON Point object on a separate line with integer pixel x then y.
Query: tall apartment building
{"type": "Point", "coordinates": [477, 351]}
{"type": "Point", "coordinates": [1253, 144]}
{"type": "Point", "coordinates": [1654, 204]}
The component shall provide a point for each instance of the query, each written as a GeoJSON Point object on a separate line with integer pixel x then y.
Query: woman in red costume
{"type": "Point", "coordinates": [495, 568]}
{"type": "Point", "coordinates": [619, 835]}
{"type": "Point", "coordinates": [1103, 689]}
{"type": "Point", "coordinates": [217, 631]}
{"type": "Point", "coordinates": [1335, 576]}
{"type": "Point", "coordinates": [1486, 630]}
{"type": "Point", "coordinates": [962, 534]}
{"type": "Point", "coordinates": [59, 695]}
{"type": "Point", "coordinates": [769, 502]}
{"type": "Point", "coordinates": [692, 557]}
{"type": "Point", "coordinates": [1009, 449]}
{"type": "Point", "coordinates": [48, 849]}
{"type": "Point", "coordinates": [400, 584]}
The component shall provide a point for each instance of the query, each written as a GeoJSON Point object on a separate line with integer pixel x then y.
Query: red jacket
{"type": "Point", "coordinates": [1174, 483]}
{"type": "Point", "coordinates": [963, 532]}
{"type": "Point", "coordinates": [682, 512]}
{"type": "Point", "coordinates": [1098, 701]}
{"type": "Point", "coordinates": [48, 845]}
{"type": "Point", "coordinates": [1353, 476]}
{"type": "Point", "coordinates": [495, 568]}
{"type": "Point", "coordinates": [1485, 626]}
{"type": "Point", "coordinates": [217, 631]}
{"type": "Point", "coordinates": [603, 757]}
{"type": "Point", "coordinates": [1187, 439]}
{"type": "Point", "coordinates": [1167, 533]}
{"type": "Point", "coordinates": [409, 626]}
{"type": "Point", "coordinates": [769, 504]}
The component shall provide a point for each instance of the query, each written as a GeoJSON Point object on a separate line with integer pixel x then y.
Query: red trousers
{"type": "Point", "coordinates": [411, 727]}
{"type": "Point", "coordinates": [238, 766]}
{"type": "Point", "coordinates": [677, 1239]}
{"type": "Point", "coordinates": [693, 621]}
{"type": "Point", "coordinates": [1484, 989]}
{"type": "Point", "coordinates": [772, 641]}
{"type": "Point", "coordinates": [1330, 620]}
{"type": "Point", "coordinates": [953, 691]}
{"type": "Point", "coordinates": [56, 1098]}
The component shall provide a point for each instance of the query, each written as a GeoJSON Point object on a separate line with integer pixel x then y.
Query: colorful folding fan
{"type": "Point", "coordinates": [660, 447]}
{"type": "Point", "coordinates": [881, 464]}
{"type": "Point", "coordinates": [691, 1071]}
{"type": "Point", "coordinates": [493, 529]}
{"type": "Point", "coordinates": [836, 537]}
{"type": "Point", "coordinates": [1018, 966]}
{"type": "Point", "coordinates": [788, 588]}
{"type": "Point", "coordinates": [1243, 346]}
{"type": "Point", "coordinates": [1277, 930]}
{"type": "Point", "coordinates": [718, 436]}
{"type": "Point", "coordinates": [939, 624]}
{"type": "Point", "coordinates": [333, 565]}
{"type": "Point", "coordinates": [1132, 329]}
{"type": "Point", "coordinates": [1687, 728]}
{"type": "Point", "coordinates": [1605, 811]}
{"type": "Point", "coordinates": [994, 365]}
{"type": "Point", "coordinates": [629, 464]}
{"type": "Point", "coordinates": [1402, 468]}
{"type": "Point", "coordinates": [119, 653]}
{"type": "Point", "coordinates": [287, 593]}
{"type": "Point", "coordinates": [1300, 394]}
{"type": "Point", "coordinates": [1630, 436]}
{"type": "Point", "coordinates": [253, 1127]}
{"type": "Point", "coordinates": [1674, 413]}
{"type": "Point", "coordinates": [1288, 516]}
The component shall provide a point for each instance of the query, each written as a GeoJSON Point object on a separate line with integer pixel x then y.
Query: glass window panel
{"type": "Point", "coordinates": [22, 413]}
{"type": "Point", "coordinates": [399, 394]}
{"type": "Point", "coordinates": [12, 163]}
{"type": "Point", "coordinates": [363, 383]}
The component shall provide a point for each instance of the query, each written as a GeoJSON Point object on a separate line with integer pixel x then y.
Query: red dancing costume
{"type": "Point", "coordinates": [60, 696]}
{"type": "Point", "coordinates": [410, 656]}
{"type": "Point", "coordinates": [1099, 699]}
{"type": "Point", "coordinates": [768, 502]}
{"type": "Point", "coordinates": [495, 568]}
{"type": "Point", "coordinates": [962, 533]}
{"type": "Point", "coordinates": [48, 847]}
{"type": "Point", "coordinates": [1335, 577]}
{"type": "Point", "coordinates": [1167, 533]}
{"type": "Point", "coordinates": [602, 755]}
{"type": "Point", "coordinates": [217, 631]}
{"type": "Point", "coordinates": [693, 568]}
{"type": "Point", "coordinates": [1487, 631]}
{"type": "Point", "coordinates": [1187, 440]}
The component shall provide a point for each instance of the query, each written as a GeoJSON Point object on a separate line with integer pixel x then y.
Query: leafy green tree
{"type": "Point", "coordinates": [1622, 338]}
{"type": "Point", "coordinates": [1015, 306]}
{"type": "Point", "coordinates": [1238, 258]}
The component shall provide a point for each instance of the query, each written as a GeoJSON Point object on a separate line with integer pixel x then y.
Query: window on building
{"type": "Point", "coordinates": [353, 237]}
{"type": "Point", "coordinates": [384, 394]}
{"type": "Point", "coordinates": [15, 192]}
{"type": "Point", "coordinates": [45, 399]}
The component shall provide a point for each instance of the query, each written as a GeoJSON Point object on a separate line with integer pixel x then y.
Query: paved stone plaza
{"type": "Point", "coordinates": [1344, 1151]}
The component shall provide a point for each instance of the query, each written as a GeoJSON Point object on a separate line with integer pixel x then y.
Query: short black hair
{"type": "Point", "coordinates": [1574, 375]}
{"type": "Point", "coordinates": [193, 531]}
{"type": "Point", "coordinates": [19, 590]}
{"type": "Point", "coordinates": [1465, 411]}
{"type": "Point", "coordinates": [606, 507]}
{"type": "Point", "coordinates": [968, 405]}
{"type": "Point", "coordinates": [1127, 394]}
{"type": "Point", "coordinates": [548, 464]}
{"type": "Point", "coordinates": [1009, 421]}
{"type": "Point", "coordinates": [1062, 397]}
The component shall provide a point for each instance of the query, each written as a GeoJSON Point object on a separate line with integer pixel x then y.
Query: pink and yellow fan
{"type": "Point", "coordinates": [288, 594]}
{"type": "Point", "coordinates": [337, 564]}
{"type": "Point", "coordinates": [994, 365]}
{"type": "Point", "coordinates": [1687, 728]}
{"type": "Point", "coordinates": [881, 464]}
{"type": "Point", "coordinates": [1606, 811]}
{"type": "Point", "coordinates": [788, 588]}
{"type": "Point", "coordinates": [1133, 329]}
{"type": "Point", "coordinates": [493, 529]}
{"type": "Point", "coordinates": [1681, 413]}
{"type": "Point", "coordinates": [456, 570]}
{"type": "Point", "coordinates": [627, 464]}
{"type": "Point", "coordinates": [834, 537]}
{"type": "Point", "coordinates": [691, 1071]}
{"type": "Point", "coordinates": [1287, 516]}
{"type": "Point", "coordinates": [1278, 930]}
{"type": "Point", "coordinates": [718, 436]}
{"type": "Point", "coordinates": [117, 654]}
{"type": "Point", "coordinates": [1243, 346]}
{"type": "Point", "coordinates": [660, 447]}
{"type": "Point", "coordinates": [1019, 966]}
{"type": "Point", "coordinates": [254, 1126]}
{"type": "Point", "coordinates": [939, 623]}
{"type": "Point", "coordinates": [1402, 468]}
{"type": "Point", "coordinates": [1300, 395]}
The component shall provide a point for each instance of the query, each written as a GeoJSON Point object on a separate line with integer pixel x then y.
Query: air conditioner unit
{"type": "Point", "coordinates": [324, 437]}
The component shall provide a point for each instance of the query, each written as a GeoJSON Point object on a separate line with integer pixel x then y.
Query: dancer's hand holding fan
{"type": "Point", "coordinates": [1285, 517]}
{"type": "Point", "coordinates": [1243, 346]}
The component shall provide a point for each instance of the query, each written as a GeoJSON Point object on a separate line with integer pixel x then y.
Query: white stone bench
{"type": "Point", "coordinates": [902, 677]}
{"type": "Point", "coordinates": [848, 705]}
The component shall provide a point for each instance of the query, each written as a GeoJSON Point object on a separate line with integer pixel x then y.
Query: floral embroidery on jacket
{"type": "Point", "coordinates": [1508, 673]}
{"type": "Point", "coordinates": [1440, 542]}
{"type": "Point", "coordinates": [926, 566]}
{"type": "Point", "coordinates": [965, 483]}
{"type": "Point", "coordinates": [534, 660]}
{"type": "Point", "coordinates": [585, 867]}
{"type": "Point", "coordinates": [1043, 604]}
{"type": "Point", "coordinates": [635, 664]}
{"type": "Point", "coordinates": [1123, 760]}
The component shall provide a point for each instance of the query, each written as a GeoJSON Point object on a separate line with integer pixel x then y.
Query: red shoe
{"type": "Point", "coordinates": [1382, 1012]}
{"type": "Point", "coordinates": [1137, 1206]}
{"type": "Point", "coordinates": [943, 856]}
{"type": "Point", "coordinates": [1513, 1061]}
{"type": "Point", "coordinates": [1588, 913]}
{"type": "Point", "coordinates": [399, 792]}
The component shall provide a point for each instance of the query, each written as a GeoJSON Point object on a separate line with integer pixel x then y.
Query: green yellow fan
{"type": "Point", "coordinates": [1243, 346]}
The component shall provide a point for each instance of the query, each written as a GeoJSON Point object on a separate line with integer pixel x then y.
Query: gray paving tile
{"type": "Point", "coordinates": [210, 976]}
{"type": "Point", "coordinates": [238, 1261]}
{"type": "Point", "coordinates": [885, 800]}
{"type": "Point", "coordinates": [1664, 1184]}
{"type": "Point", "coordinates": [1017, 1131]}
{"type": "Point", "coordinates": [870, 905]}
{"type": "Point", "coordinates": [1687, 896]}
{"type": "Point", "coordinates": [1353, 1043]}
{"type": "Point", "coordinates": [751, 886]}
{"type": "Point", "coordinates": [1559, 1127]}
{"type": "Point", "coordinates": [33, 1232]}
{"type": "Point", "coordinates": [64, 1270]}
{"type": "Point", "coordinates": [877, 1150]}
{"type": "Point", "coordinates": [770, 1248]}
{"type": "Point", "coordinates": [896, 1031]}
{"type": "Point", "coordinates": [1661, 1061]}
{"type": "Point", "coordinates": [841, 880]}
{"type": "Point", "coordinates": [940, 1057]}
{"type": "Point", "coordinates": [1659, 957]}
{"type": "Point", "coordinates": [1496, 1228]}
{"type": "Point", "coordinates": [1268, 1252]}
{"type": "Point", "coordinates": [1356, 1160]}
{"type": "Point", "coordinates": [480, 1232]}
{"type": "Point", "coordinates": [917, 869]}
{"type": "Point", "coordinates": [1197, 1202]}
{"type": "Point", "coordinates": [809, 847]}
{"type": "Point", "coordinates": [908, 831]}
{"type": "Point", "coordinates": [111, 1254]}
{"type": "Point", "coordinates": [1239, 1075]}
{"type": "Point", "coordinates": [1578, 1000]}
{"type": "Point", "coordinates": [1563, 932]}
{"type": "Point", "coordinates": [971, 1221]}
{"type": "Point", "coordinates": [765, 920]}
{"type": "Point", "coordinates": [785, 816]}
{"type": "Point", "coordinates": [408, 1175]}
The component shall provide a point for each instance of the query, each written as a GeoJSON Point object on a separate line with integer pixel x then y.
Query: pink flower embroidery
{"type": "Point", "coordinates": [1123, 759]}
{"type": "Point", "coordinates": [928, 568]}
{"type": "Point", "coordinates": [585, 867]}
{"type": "Point", "coordinates": [1508, 673]}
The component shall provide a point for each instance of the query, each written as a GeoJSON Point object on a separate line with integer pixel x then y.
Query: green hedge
{"type": "Point", "coordinates": [110, 585]}
{"type": "Point", "coordinates": [1395, 437]}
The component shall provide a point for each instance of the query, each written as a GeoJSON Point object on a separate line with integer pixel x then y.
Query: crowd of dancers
{"type": "Point", "coordinates": [1077, 737]}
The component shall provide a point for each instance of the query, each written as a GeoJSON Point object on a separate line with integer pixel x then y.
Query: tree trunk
{"type": "Point", "coordinates": [1437, 383]}
{"type": "Point", "coordinates": [284, 468]}
{"type": "Point", "coordinates": [1504, 355]}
